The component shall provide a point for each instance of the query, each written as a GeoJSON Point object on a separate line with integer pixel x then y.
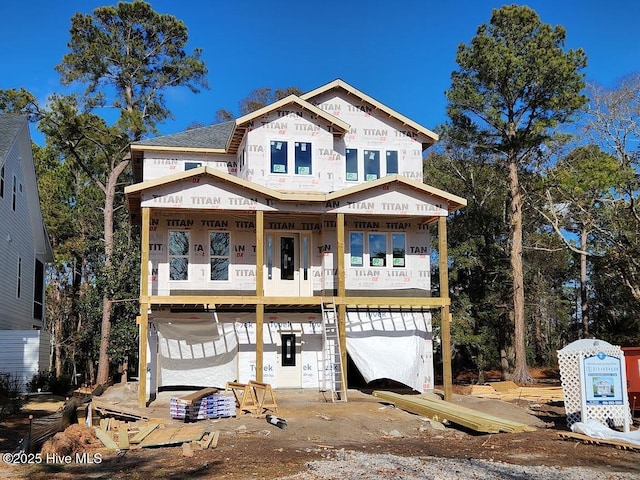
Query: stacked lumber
{"type": "Point", "coordinates": [442, 411]}
{"type": "Point", "coordinates": [215, 405]}
{"type": "Point", "coordinates": [119, 435]}
{"type": "Point", "coordinates": [509, 391]}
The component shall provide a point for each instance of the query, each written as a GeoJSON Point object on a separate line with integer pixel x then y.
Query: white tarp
{"type": "Point", "coordinates": [196, 353]}
{"type": "Point", "coordinates": [594, 429]}
{"type": "Point", "coordinates": [393, 345]}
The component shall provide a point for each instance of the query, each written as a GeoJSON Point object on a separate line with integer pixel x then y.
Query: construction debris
{"type": "Point", "coordinates": [599, 441]}
{"type": "Point", "coordinates": [119, 435]}
{"type": "Point", "coordinates": [442, 411]}
{"type": "Point", "coordinates": [509, 391]}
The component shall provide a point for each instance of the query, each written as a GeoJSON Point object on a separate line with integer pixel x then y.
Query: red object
{"type": "Point", "coordinates": [632, 362]}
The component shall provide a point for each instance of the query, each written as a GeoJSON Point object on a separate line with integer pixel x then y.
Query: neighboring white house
{"type": "Point", "coordinates": [259, 232]}
{"type": "Point", "coordinates": [24, 252]}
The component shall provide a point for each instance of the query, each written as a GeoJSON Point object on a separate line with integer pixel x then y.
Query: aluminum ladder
{"type": "Point", "coordinates": [331, 371]}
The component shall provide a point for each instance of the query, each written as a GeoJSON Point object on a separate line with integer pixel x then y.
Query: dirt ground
{"type": "Point", "coordinates": [250, 447]}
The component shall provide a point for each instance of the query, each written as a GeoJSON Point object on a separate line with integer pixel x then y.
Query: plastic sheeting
{"type": "Point", "coordinates": [394, 345]}
{"type": "Point", "coordinates": [196, 353]}
{"type": "Point", "coordinates": [595, 429]}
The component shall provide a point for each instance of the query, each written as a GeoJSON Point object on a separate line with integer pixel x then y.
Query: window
{"type": "Point", "coordinates": [2, 182]}
{"type": "Point", "coordinates": [15, 192]}
{"type": "Point", "coordinates": [356, 247]}
{"type": "Point", "coordinates": [398, 249]}
{"type": "Point", "coordinates": [352, 164]}
{"type": "Point", "coordinates": [371, 165]}
{"type": "Point", "coordinates": [19, 279]}
{"type": "Point", "coordinates": [191, 165]}
{"type": "Point", "coordinates": [38, 290]}
{"type": "Point", "coordinates": [288, 349]}
{"type": "Point", "coordinates": [377, 249]}
{"type": "Point", "coordinates": [219, 255]}
{"type": "Point", "coordinates": [178, 255]}
{"type": "Point", "coordinates": [392, 162]}
{"type": "Point", "coordinates": [278, 157]}
{"type": "Point", "coordinates": [303, 158]}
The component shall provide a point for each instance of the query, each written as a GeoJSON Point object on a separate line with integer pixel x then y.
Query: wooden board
{"type": "Point", "coordinates": [174, 435]}
{"type": "Point", "coordinates": [195, 396]}
{"type": "Point", "coordinates": [107, 408]}
{"type": "Point", "coordinates": [106, 439]}
{"type": "Point", "coordinates": [599, 441]}
{"type": "Point", "coordinates": [440, 410]}
{"type": "Point", "coordinates": [142, 434]}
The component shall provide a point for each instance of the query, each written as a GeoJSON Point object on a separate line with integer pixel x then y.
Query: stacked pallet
{"type": "Point", "coordinates": [509, 391]}
{"type": "Point", "coordinates": [213, 405]}
{"type": "Point", "coordinates": [441, 411]}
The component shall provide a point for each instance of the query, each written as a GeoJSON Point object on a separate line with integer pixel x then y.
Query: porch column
{"type": "Point", "coordinates": [447, 377]}
{"type": "Point", "coordinates": [259, 294]}
{"type": "Point", "coordinates": [144, 308]}
{"type": "Point", "coordinates": [342, 307]}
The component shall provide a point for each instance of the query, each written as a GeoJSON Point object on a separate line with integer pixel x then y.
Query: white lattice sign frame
{"type": "Point", "coordinates": [571, 362]}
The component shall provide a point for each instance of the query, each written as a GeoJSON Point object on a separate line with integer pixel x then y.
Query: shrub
{"type": "Point", "coordinates": [11, 399]}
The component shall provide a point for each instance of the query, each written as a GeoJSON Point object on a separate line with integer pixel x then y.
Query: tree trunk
{"type": "Point", "coordinates": [584, 307]}
{"type": "Point", "coordinates": [110, 193]}
{"type": "Point", "coordinates": [521, 373]}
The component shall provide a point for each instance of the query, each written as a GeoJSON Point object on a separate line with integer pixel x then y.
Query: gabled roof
{"type": "Point", "coordinates": [12, 126]}
{"type": "Point", "coordinates": [134, 192]}
{"type": "Point", "coordinates": [339, 84]}
{"type": "Point", "coordinates": [242, 123]}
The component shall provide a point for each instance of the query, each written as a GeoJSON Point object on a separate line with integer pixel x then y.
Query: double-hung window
{"type": "Point", "coordinates": [278, 156]}
{"type": "Point", "coordinates": [178, 255]}
{"type": "Point", "coordinates": [352, 164]}
{"type": "Point", "coordinates": [219, 255]}
{"type": "Point", "coordinates": [371, 165]}
{"type": "Point", "coordinates": [392, 162]}
{"type": "Point", "coordinates": [303, 158]}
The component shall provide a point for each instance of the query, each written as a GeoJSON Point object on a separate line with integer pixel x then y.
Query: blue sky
{"type": "Point", "coordinates": [400, 53]}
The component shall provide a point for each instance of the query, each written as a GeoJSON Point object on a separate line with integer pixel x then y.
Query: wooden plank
{"type": "Point", "coordinates": [117, 410]}
{"type": "Point", "coordinates": [195, 396]}
{"type": "Point", "coordinates": [174, 435]}
{"type": "Point", "coordinates": [105, 438]}
{"type": "Point", "coordinates": [142, 434]}
{"type": "Point", "coordinates": [442, 410]}
{"type": "Point", "coordinates": [599, 441]}
{"type": "Point", "coordinates": [123, 439]}
{"type": "Point", "coordinates": [504, 386]}
{"type": "Point", "coordinates": [212, 440]}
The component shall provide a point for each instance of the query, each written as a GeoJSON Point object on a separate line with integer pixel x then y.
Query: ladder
{"type": "Point", "coordinates": [331, 371]}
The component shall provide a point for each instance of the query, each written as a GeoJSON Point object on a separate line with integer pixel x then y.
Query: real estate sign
{"type": "Point", "coordinates": [602, 380]}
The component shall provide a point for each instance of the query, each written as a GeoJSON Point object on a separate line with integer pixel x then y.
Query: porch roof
{"type": "Point", "coordinates": [134, 192]}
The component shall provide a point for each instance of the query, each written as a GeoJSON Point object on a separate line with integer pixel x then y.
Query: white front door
{"type": "Point", "coordinates": [287, 271]}
{"type": "Point", "coordinates": [289, 366]}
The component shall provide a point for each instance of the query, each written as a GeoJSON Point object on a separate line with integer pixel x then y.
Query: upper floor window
{"type": "Point", "coordinates": [303, 158]}
{"type": "Point", "coordinates": [15, 193]}
{"type": "Point", "coordinates": [398, 249]}
{"type": "Point", "coordinates": [371, 164]}
{"type": "Point", "coordinates": [178, 255]}
{"type": "Point", "coordinates": [19, 278]}
{"type": "Point", "coordinates": [377, 249]}
{"type": "Point", "coordinates": [392, 162]}
{"type": "Point", "coordinates": [219, 255]}
{"type": "Point", "coordinates": [278, 157]}
{"type": "Point", "coordinates": [352, 164]}
{"type": "Point", "coordinates": [191, 165]}
{"type": "Point", "coordinates": [356, 248]}
{"type": "Point", "coordinates": [2, 182]}
{"type": "Point", "coordinates": [38, 291]}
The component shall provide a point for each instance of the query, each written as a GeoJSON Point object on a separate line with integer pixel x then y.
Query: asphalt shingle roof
{"type": "Point", "coordinates": [212, 136]}
{"type": "Point", "coordinates": [10, 125]}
